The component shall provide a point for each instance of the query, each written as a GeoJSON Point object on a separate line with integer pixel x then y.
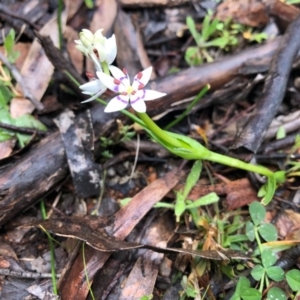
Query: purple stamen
{"type": "Point", "coordinates": [122, 100]}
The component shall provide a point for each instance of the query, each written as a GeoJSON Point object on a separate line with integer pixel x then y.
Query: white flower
{"type": "Point", "coordinates": [94, 87]}
{"type": "Point", "coordinates": [97, 47]}
{"type": "Point", "coordinates": [135, 94]}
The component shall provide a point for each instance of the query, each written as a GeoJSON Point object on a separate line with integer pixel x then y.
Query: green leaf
{"type": "Point", "coordinates": [205, 200]}
{"type": "Point", "coordinates": [218, 42]}
{"type": "Point", "coordinates": [280, 176]}
{"type": "Point", "coordinates": [257, 212]}
{"type": "Point", "coordinates": [270, 190]}
{"type": "Point", "coordinates": [30, 122]}
{"type": "Point", "coordinates": [268, 232]}
{"type": "Point", "coordinates": [280, 133]}
{"type": "Point", "coordinates": [5, 96]}
{"type": "Point", "coordinates": [179, 207]}
{"type": "Point", "coordinates": [5, 135]}
{"type": "Point", "coordinates": [242, 284]}
{"type": "Point", "coordinates": [237, 238]}
{"type": "Point", "coordinates": [268, 258]}
{"type": "Point", "coordinates": [250, 231]}
{"type": "Point", "coordinates": [209, 27]}
{"type": "Point", "coordinates": [257, 272]}
{"type": "Point", "coordinates": [251, 294]}
{"type": "Point", "coordinates": [191, 149]}
{"type": "Point", "coordinates": [192, 27]}
{"type": "Point", "coordinates": [235, 296]}
{"type": "Point", "coordinates": [275, 273]}
{"type": "Point", "coordinates": [89, 3]}
{"type": "Point", "coordinates": [293, 279]}
{"type": "Point", "coordinates": [193, 56]}
{"type": "Point", "coordinates": [192, 178]}
{"type": "Point", "coordinates": [276, 293]}
{"type": "Point", "coordinates": [9, 41]}
{"type": "Point", "coordinates": [5, 117]}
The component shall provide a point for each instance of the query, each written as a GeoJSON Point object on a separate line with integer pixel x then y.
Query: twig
{"type": "Point", "coordinates": [25, 130]}
{"type": "Point", "coordinates": [7, 11]}
{"type": "Point", "coordinates": [16, 74]}
{"type": "Point", "coordinates": [25, 274]}
{"type": "Point", "coordinates": [253, 133]}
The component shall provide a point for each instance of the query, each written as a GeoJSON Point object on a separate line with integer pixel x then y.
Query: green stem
{"type": "Point", "coordinates": [158, 131]}
{"type": "Point", "coordinates": [236, 163]}
{"type": "Point", "coordinates": [59, 23]}
{"type": "Point", "coordinates": [189, 108]}
{"type": "Point", "coordinates": [52, 255]}
{"type": "Point", "coordinates": [105, 68]}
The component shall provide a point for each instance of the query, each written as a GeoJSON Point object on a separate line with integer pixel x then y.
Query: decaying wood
{"type": "Point", "coordinates": [252, 134]}
{"type": "Point", "coordinates": [74, 285]}
{"type": "Point", "coordinates": [44, 165]}
{"type": "Point", "coordinates": [189, 82]}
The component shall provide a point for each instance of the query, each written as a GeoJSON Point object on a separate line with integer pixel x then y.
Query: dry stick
{"type": "Point", "coordinates": [25, 130]}
{"type": "Point", "coordinates": [252, 134]}
{"type": "Point", "coordinates": [5, 10]}
{"type": "Point", "coordinates": [25, 274]}
{"type": "Point", "coordinates": [14, 71]}
{"type": "Point", "coordinates": [15, 23]}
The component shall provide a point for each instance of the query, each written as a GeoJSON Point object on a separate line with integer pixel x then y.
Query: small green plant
{"type": "Point", "coordinates": [208, 37]}
{"type": "Point", "coordinates": [7, 92]}
{"type": "Point", "coordinates": [265, 269]}
{"type": "Point", "coordinates": [214, 33]}
{"type": "Point", "coordinates": [182, 203]}
{"type": "Point", "coordinates": [9, 44]}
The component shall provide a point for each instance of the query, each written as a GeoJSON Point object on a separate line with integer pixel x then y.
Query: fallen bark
{"type": "Point", "coordinates": [251, 136]}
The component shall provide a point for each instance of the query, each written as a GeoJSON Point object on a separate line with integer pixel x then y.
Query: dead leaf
{"type": "Point", "coordinates": [37, 70]}
{"type": "Point", "coordinates": [6, 148]}
{"type": "Point", "coordinates": [247, 12]}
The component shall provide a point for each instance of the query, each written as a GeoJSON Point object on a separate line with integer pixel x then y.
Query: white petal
{"type": "Point", "coordinates": [151, 95]}
{"type": "Point", "coordinates": [98, 36]}
{"type": "Point", "coordinates": [109, 82]}
{"type": "Point", "coordinates": [119, 74]}
{"type": "Point", "coordinates": [138, 105]}
{"type": "Point", "coordinates": [95, 61]}
{"type": "Point", "coordinates": [111, 49]}
{"type": "Point", "coordinates": [95, 96]}
{"type": "Point", "coordinates": [142, 78]}
{"type": "Point", "coordinates": [101, 52]}
{"type": "Point", "coordinates": [92, 87]}
{"type": "Point", "coordinates": [82, 49]}
{"type": "Point", "coordinates": [117, 103]}
{"type": "Point", "coordinates": [86, 37]}
{"type": "Point", "coordinates": [87, 34]}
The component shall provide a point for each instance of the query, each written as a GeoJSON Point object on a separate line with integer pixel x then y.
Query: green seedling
{"type": "Point", "coordinates": [182, 203]}
{"type": "Point", "coordinates": [217, 34]}
{"type": "Point", "coordinates": [52, 252]}
{"type": "Point", "coordinates": [244, 291]}
{"type": "Point", "coordinates": [26, 121]}
{"type": "Point", "coordinates": [7, 92]}
{"type": "Point", "coordinates": [205, 39]}
{"type": "Point", "coordinates": [265, 270]}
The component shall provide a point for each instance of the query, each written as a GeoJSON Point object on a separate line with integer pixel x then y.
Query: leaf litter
{"type": "Point", "coordinates": [68, 169]}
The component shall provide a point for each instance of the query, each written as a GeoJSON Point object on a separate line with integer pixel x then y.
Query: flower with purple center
{"type": "Point", "coordinates": [134, 93]}
{"type": "Point", "coordinates": [94, 88]}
